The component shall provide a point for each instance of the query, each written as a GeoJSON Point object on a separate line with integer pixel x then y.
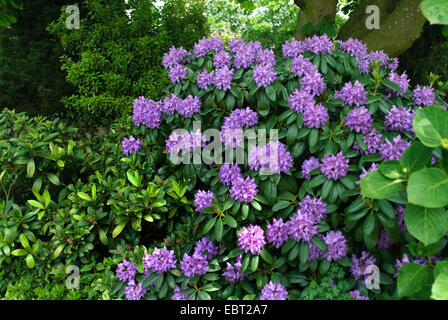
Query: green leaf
{"type": "Point", "coordinates": [118, 230]}
{"type": "Point", "coordinates": [440, 287]}
{"type": "Point", "coordinates": [391, 169]}
{"type": "Point", "coordinates": [436, 11]}
{"type": "Point", "coordinates": [19, 252]}
{"type": "Point", "coordinates": [411, 279]}
{"type": "Point", "coordinates": [431, 126]}
{"type": "Point", "coordinates": [280, 205]}
{"type": "Point", "coordinates": [428, 188]}
{"type": "Point", "coordinates": [30, 168]}
{"type": "Point", "coordinates": [209, 225]}
{"type": "Point", "coordinates": [36, 204]}
{"type": "Point", "coordinates": [29, 261]}
{"type": "Point", "coordinates": [53, 179]}
{"type": "Point", "coordinates": [103, 237]}
{"type": "Point", "coordinates": [218, 230]}
{"type": "Point", "coordinates": [303, 252]}
{"type": "Point", "coordinates": [254, 263]}
{"type": "Point", "coordinates": [133, 180]}
{"type": "Point", "coordinates": [318, 242]}
{"type": "Point", "coordinates": [391, 85]}
{"type": "Point", "coordinates": [313, 138]}
{"type": "Point", "coordinates": [84, 196]}
{"type": "Point", "coordinates": [230, 221]}
{"type": "Point", "coordinates": [270, 92]}
{"type": "Point", "coordinates": [24, 242]}
{"type": "Point", "coordinates": [374, 185]}
{"type": "Point", "coordinates": [266, 256]}
{"type": "Point", "coordinates": [369, 224]}
{"type": "Point", "coordinates": [263, 104]}
{"type": "Point", "coordinates": [58, 251]}
{"type": "Point", "coordinates": [416, 157]}
{"type": "Point", "coordinates": [426, 224]}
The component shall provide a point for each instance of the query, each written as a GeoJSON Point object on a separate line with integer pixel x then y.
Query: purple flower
{"type": "Point", "coordinates": [354, 47]}
{"type": "Point", "coordinates": [244, 57]}
{"type": "Point", "coordinates": [273, 156]}
{"type": "Point", "coordinates": [194, 265]}
{"type": "Point", "coordinates": [315, 116]}
{"type": "Point", "coordinates": [229, 173]}
{"type": "Point", "coordinates": [363, 64]}
{"type": "Point", "coordinates": [247, 116]}
{"type": "Point", "coordinates": [160, 261]}
{"type": "Point", "coordinates": [266, 57]}
{"type": "Point", "coordinates": [313, 207]}
{"type": "Point", "coordinates": [373, 167]}
{"type": "Point", "coordinates": [177, 73]}
{"type": "Point", "coordinates": [131, 145]}
{"type": "Point", "coordinates": [203, 46]}
{"type": "Point", "coordinates": [302, 226]}
{"type": "Point", "coordinates": [222, 59]}
{"type": "Point", "coordinates": [178, 295]}
{"type": "Point", "coordinates": [379, 55]}
{"type": "Point", "coordinates": [264, 75]}
{"type": "Point", "coordinates": [384, 241]}
{"type": "Point", "coordinates": [206, 245]}
{"type": "Point", "coordinates": [399, 211]}
{"type": "Point", "coordinates": [134, 291]}
{"type": "Point", "coordinates": [334, 166]}
{"type": "Point", "coordinates": [313, 82]}
{"type": "Point", "coordinates": [352, 94]}
{"type": "Point", "coordinates": [223, 78]}
{"type": "Point", "coordinates": [308, 166]}
{"type": "Point", "coordinates": [360, 267]}
{"type": "Point", "coordinates": [188, 142]}
{"type": "Point", "coordinates": [244, 190]}
{"type": "Point", "coordinates": [236, 44]}
{"type": "Point", "coordinates": [423, 96]}
{"type": "Point", "coordinates": [394, 150]}
{"type": "Point", "coordinates": [273, 291]}
{"type": "Point", "coordinates": [189, 106]}
{"type": "Point", "coordinates": [314, 252]}
{"type": "Point", "coordinates": [292, 49]}
{"type": "Point", "coordinates": [319, 45]}
{"type": "Point", "coordinates": [301, 66]}
{"type": "Point", "coordinates": [233, 273]}
{"type": "Point", "coordinates": [170, 104]}
{"type": "Point", "coordinates": [372, 141]}
{"type": "Point", "coordinates": [401, 81]}
{"type": "Point", "coordinates": [203, 199]}
{"type": "Point", "coordinates": [147, 112]}
{"type": "Point", "coordinates": [359, 120]}
{"type": "Point", "coordinates": [300, 100]}
{"type": "Point", "coordinates": [355, 294]}
{"type": "Point", "coordinates": [251, 239]}
{"type": "Point", "coordinates": [399, 119]}
{"type": "Point", "coordinates": [394, 64]}
{"type": "Point", "coordinates": [174, 57]}
{"type": "Point", "coordinates": [126, 271]}
{"type": "Point", "coordinates": [399, 264]}
{"type": "Point", "coordinates": [205, 79]}
{"type": "Point", "coordinates": [277, 232]}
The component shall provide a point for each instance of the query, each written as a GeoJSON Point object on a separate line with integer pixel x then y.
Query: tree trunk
{"type": "Point", "coordinates": [314, 11]}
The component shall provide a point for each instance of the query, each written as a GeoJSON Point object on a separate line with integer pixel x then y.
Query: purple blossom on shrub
{"type": "Point", "coordinates": [223, 78]}
{"type": "Point", "coordinates": [359, 120]}
{"type": "Point", "coordinates": [203, 199]}
{"type": "Point", "coordinates": [314, 252]}
{"type": "Point", "coordinates": [302, 226]}
{"type": "Point", "coordinates": [393, 150]}
{"type": "Point", "coordinates": [352, 94]}
{"type": "Point", "coordinates": [244, 190]}
{"type": "Point", "coordinates": [236, 44]}
{"type": "Point", "coordinates": [205, 244]}
{"type": "Point", "coordinates": [363, 64]}
{"type": "Point", "coordinates": [264, 75]}
{"type": "Point", "coordinates": [126, 271]}
{"type": "Point", "coordinates": [205, 79]}
{"type": "Point", "coordinates": [131, 145]}
{"type": "Point", "coordinates": [229, 173]}
{"type": "Point", "coordinates": [203, 46]}
{"type": "Point", "coordinates": [147, 112]}
{"type": "Point", "coordinates": [274, 291]}
{"type": "Point", "coordinates": [244, 57]}
{"type": "Point", "coordinates": [334, 166]}
{"type": "Point", "coordinates": [400, 263]}
{"type": "Point", "coordinates": [359, 266]}
{"type": "Point", "coordinates": [313, 82]}
{"type": "Point", "coordinates": [379, 55]}
{"type": "Point", "coordinates": [401, 81]}
{"type": "Point", "coordinates": [337, 246]}
{"type": "Point", "coordinates": [423, 96]}
{"type": "Point", "coordinates": [266, 57]}
{"type": "Point", "coordinates": [384, 241]}
{"type": "Point", "coordinates": [194, 265]}
{"type": "Point", "coordinates": [222, 59]}
{"type": "Point", "coordinates": [174, 57]}
{"type": "Point", "coordinates": [273, 156]}
{"type": "Point", "coordinates": [189, 106]}
{"type": "Point", "coordinates": [277, 232]}
{"type": "Point", "coordinates": [399, 119]}
{"type": "Point", "coordinates": [355, 294]}
{"type": "Point", "coordinates": [178, 295]}
{"type": "Point", "coordinates": [314, 207]}
{"type": "Point", "coordinates": [247, 117]}
{"type": "Point", "coordinates": [399, 211]}
{"type": "Point", "coordinates": [134, 291]}
{"type": "Point", "coordinates": [251, 239]}
{"type": "Point", "coordinates": [308, 166]}
{"type": "Point", "coordinates": [319, 44]}
{"type": "Point", "coordinates": [315, 116]}
{"type": "Point", "coordinates": [301, 66]}
{"type": "Point", "coordinates": [354, 47]}
{"type": "Point", "coordinates": [292, 49]}
{"type": "Point", "coordinates": [170, 104]}
{"type": "Point", "coordinates": [177, 73]}
{"type": "Point", "coordinates": [300, 100]}
{"type": "Point", "coordinates": [372, 141]}
{"type": "Point", "coordinates": [233, 273]}
{"type": "Point", "coordinates": [160, 261]}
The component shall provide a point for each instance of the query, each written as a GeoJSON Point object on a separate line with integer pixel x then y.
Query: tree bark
{"type": "Point", "coordinates": [314, 11]}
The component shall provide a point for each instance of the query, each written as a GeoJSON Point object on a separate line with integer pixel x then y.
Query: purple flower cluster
{"type": "Point", "coordinates": [177, 73]}
{"type": "Point", "coordinates": [236, 44]}
{"type": "Point", "coordinates": [273, 157]}
{"type": "Point", "coordinates": [147, 112]}
{"type": "Point", "coordinates": [244, 190]}
{"type": "Point", "coordinates": [171, 104]}
{"type": "Point", "coordinates": [393, 150]}
{"type": "Point", "coordinates": [399, 211]}
{"type": "Point", "coordinates": [174, 57]}
{"type": "Point", "coordinates": [315, 117]}
{"type": "Point", "coordinates": [232, 134]}
{"type": "Point", "coordinates": [264, 75]}
{"type": "Point", "coordinates": [352, 94]}
{"type": "Point", "coordinates": [233, 272]}
{"type": "Point", "coordinates": [229, 173]}
{"type": "Point", "coordinates": [313, 82]}
{"type": "Point", "coordinates": [302, 226]}
{"type": "Point", "coordinates": [245, 56]}
{"type": "Point", "coordinates": [301, 66]}
{"type": "Point", "coordinates": [399, 119]}
{"type": "Point", "coordinates": [274, 291]}
{"type": "Point", "coordinates": [308, 166]}
{"type": "Point", "coordinates": [223, 78]}
{"type": "Point", "coordinates": [423, 96]}
{"type": "Point", "coordinates": [160, 261]}
{"type": "Point", "coordinates": [251, 239]}
{"type": "Point", "coordinates": [134, 291]}
{"type": "Point", "coordinates": [266, 57]}
{"type": "Point", "coordinates": [178, 295]}
{"type": "Point", "coordinates": [300, 100]}
{"type": "Point", "coordinates": [222, 59]}
{"type": "Point", "coordinates": [318, 44]}
{"type": "Point", "coordinates": [203, 46]}
{"type": "Point", "coordinates": [203, 199]}
{"type": "Point", "coordinates": [401, 81]}
{"type": "Point", "coordinates": [359, 268]}
{"type": "Point", "coordinates": [334, 166]}
{"type": "Point", "coordinates": [189, 142]}
{"type": "Point", "coordinates": [126, 271]}
{"type": "Point", "coordinates": [372, 141]}
{"type": "Point", "coordinates": [359, 120]}
{"type": "Point", "coordinates": [131, 145]}
{"type": "Point", "coordinates": [314, 207]}
{"type": "Point", "coordinates": [400, 263]}
{"type": "Point", "coordinates": [379, 55]}
{"type": "Point", "coordinates": [337, 246]}
{"type": "Point", "coordinates": [277, 232]}
{"type": "Point", "coordinates": [189, 106]}
{"type": "Point", "coordinates": [206, 245]}
{"type": "Point", "coordinates": [384, 240]}
{"type": "Point", "coordinates": [354, 47]}
{"type": "Point", "coordinates": [205, 79]}
{"type": "Point", "coordinates": [355, 294]}
{"type": "Point", "coordinates": [194, 265]}
{"type": "Point", "coordinates": [292, 49]}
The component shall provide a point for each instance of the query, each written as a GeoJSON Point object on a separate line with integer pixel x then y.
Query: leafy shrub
{"type": "Point", "coordinates": [338, 109]}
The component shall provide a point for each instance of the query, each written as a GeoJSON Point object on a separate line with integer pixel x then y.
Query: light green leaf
{"type": "Point", "coordinates": [431, 126]}
{"type": "Point", "coordinates": [426, 224]}
{"type": "Point", "coordinates": [428, 188]}
{"type": "Point", "coordinates": [436, 11]}
{"type": "Point", "coordinates": [411, 279]}
{"type": "Point", "coordinates": [374, 185]}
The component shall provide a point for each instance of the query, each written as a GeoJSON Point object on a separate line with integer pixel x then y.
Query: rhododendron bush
{"type": "Point", "coordinates": [267, 154]}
